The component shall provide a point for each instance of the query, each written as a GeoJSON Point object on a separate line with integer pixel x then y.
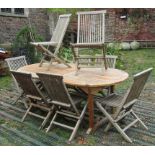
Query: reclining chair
{"type": "Point", "coordinates": [55, 42]}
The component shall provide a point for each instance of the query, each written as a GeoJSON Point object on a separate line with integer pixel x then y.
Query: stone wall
{"type": "Point", "coordinates": [9, 26]}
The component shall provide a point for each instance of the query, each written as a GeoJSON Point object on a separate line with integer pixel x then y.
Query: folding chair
{"type": "Point", "coordinates": [111, 63]}
{"type": "Point", "coordinates": [66, 104]}
{"type": "Point", "coordinates": [55, 42]}
{"type": "Point", "coordinates": [90, 34]}
{"type": "Point", "coordinates": [111, 60]}
{"type": "Point", "coordinates": [36, 97]}
{"type": "Point", "coordinates": [15, 63]}
{"type": "Point", "coordinates": [124, 104]}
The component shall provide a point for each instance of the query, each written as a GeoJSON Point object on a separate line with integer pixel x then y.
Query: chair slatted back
{"type": "Point", "coordinates": [26, 83]}
{"type": "Point", "coordinates": [56, 89]}
{"type": "Point", "coordinates": [110, 60]}
{"type": "Point", "coordinates": [16, 62]}
{"type": "Point", "coordinates": [91, 27]}
{"type": "Point", "coordinates": [136, 88]}
{"type": "Point", "coordinates": [138, 85]}
{"type": "Point", "coordinates": [60, 29]}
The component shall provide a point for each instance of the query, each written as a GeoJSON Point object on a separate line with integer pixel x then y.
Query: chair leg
{"type": "Point", "coordinates": [121, 132]}
{"type": "Point", "coordinates": [141, 122]}
{"type": "Point", "coordinates": [51, 123]}
{"type": "Point", "coordinates": [48, 68]}
{"type": "Point", "coordinates": [77, 68]}
{"type": "Point", "coordinates": [26, 106]}
{"type": "Point", "coordinates": [17, 99]}
{"type": "Point", "coordinates": [26, 112]}
{"type": "Point", "coordinates": [46, 119]}
{"type": "Point", "coordinates": [113, 123]}
{"type": "Point", "coordinates": [77, 124]}
{"type": "Point", "coordinates": [41, 62]}
{"type": "Point", "coordinates": [108, 127]}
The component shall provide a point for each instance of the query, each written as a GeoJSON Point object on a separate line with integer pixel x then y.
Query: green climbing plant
{"type": "Point", "coordinates": [22, 46]}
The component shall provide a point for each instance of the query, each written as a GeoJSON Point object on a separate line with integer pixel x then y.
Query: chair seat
{"type": "Point", "coordinates": [112, 100]}
{"type": "Point", "coordinates": [86, 45]}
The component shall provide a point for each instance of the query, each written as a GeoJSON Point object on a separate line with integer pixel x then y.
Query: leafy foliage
{"type": "Point", "coordinates": [21, 44]}
{"type": "Point", "coordinates": [66, 54]}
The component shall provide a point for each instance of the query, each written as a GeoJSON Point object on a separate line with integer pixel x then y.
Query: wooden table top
{"type": "Point", "coordinates": [90, 77]}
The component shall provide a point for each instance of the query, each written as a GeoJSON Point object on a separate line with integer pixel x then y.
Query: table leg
{"type": "Point", "coordinates": [91, 111]}
{"type": "Point", "coordinates": [112, 89]}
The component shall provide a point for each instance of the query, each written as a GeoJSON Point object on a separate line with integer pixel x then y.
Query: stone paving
{"type": "Point", "coordinates": [15, 132]}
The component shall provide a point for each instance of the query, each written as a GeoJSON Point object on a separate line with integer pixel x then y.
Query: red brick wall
{"type": "Point", "coordinates": [140, 30]}
{"type": "Point", "coordinates": [9, 26]}
{"type": "Point", "coordinates": [120, 29]}
{"type": "Point", "coordinates": [116, 28]}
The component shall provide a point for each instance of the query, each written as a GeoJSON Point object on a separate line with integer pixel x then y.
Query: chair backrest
{"type": "Point", "coordinates": [138, 85]}
{"type": "Point", "coordinates": [91, 27]}
{"type": "Point", "coordinates": [60, 29]}
{"type": "Point", "coordinates": [56, 90]}
{"type": "Point", "coordinates": [110, 60]}
{"type": "Point", "coordinates": [134, 92]}
{"type": "Point", "coordinates": [27, 85]}
{"type": "Point", "coordinates": [16, 62]}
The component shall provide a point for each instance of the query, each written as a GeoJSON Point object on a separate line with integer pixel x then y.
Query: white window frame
{"type": "Point", "coordinates": [12, 14]}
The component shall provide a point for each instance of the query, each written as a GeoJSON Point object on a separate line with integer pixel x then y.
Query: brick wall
{"type": "Point", "coordinates": [116, 28]}
{"type": "Point", "coordinates": [124, 30]}
{"type": "Point", "coordinates": [9, 26]}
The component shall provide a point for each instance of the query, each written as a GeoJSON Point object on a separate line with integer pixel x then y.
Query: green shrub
{"type": "Point", "coordinates": [22, 46]}
{"type": "Point", "coordinates": [125, 46]}
{"type": "Point", "coordinates": [66, 54]}
{"type": "Point", "coordinates": [135, 45]}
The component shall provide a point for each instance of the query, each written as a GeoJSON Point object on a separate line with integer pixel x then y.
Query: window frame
{"type": "Point", "coordinates": [12, 14]}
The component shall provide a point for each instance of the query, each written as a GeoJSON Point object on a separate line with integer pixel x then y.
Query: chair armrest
{"type": "Point", "coordinates": [129, 104]}
{"type": "Point", "coordinates": [44, 43]}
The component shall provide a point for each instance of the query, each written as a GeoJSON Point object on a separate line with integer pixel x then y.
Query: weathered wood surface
{"type": "Point", "coordinates": [87, 77]}
{"type": "Point", "coordinates": [91, 80]}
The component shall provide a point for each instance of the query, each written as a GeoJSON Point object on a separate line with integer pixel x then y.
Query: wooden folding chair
{"type": "Point", "coordinates": [111, 63]}
{"type": "Point", "coordinates": [66, 104]}
{"type": "Point", "coordinates": [124, 104]}
{"type": "Point", "coordinates": [55, 42]}
{"type": "Point", "coordinates": [36, 97]}
{"type": "Point", "coordinates": [90, 35]}
{"type": "Point", "coordinates": [15, 63]}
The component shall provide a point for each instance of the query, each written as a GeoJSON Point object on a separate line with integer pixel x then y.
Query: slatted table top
{"type": "Point", "coordinates": [87, 77]}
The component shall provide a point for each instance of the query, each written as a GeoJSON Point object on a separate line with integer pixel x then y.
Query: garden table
{"type": "Point", "coordinates": [91, 80]}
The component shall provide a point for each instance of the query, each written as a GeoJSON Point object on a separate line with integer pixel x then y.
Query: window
{"type": "Point", "coordinates": [7, 10]}
{"type": "Point", "coordinates": [19, 12]}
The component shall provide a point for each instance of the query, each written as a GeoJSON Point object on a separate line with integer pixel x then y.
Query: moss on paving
{"type": "Point", "coordinates": [5, 81]}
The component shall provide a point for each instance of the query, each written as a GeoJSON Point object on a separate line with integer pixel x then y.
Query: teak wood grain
{"type": "Point", "coordinates": [91, 80]}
